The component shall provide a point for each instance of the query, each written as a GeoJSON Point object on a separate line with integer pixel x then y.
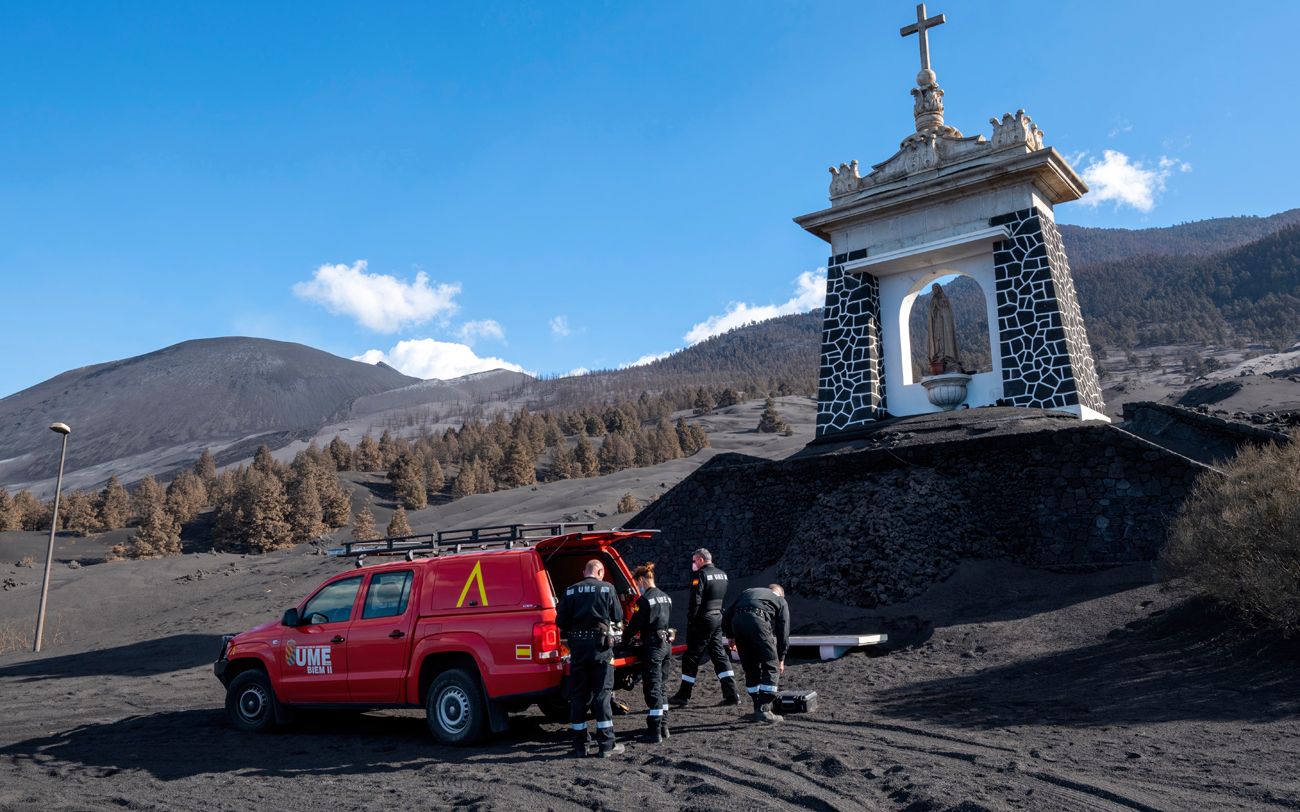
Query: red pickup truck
{"type": "Point", "coordinates": [462, 624]}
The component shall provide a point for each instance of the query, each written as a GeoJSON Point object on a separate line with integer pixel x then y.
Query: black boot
{"type": "Point", "coordinates": [663, 725]}
{"type": "Point", "coordinates": [763, 708]}
{"type": "Point", "coordinates": [729, 694]}
{"type": "Point", "coordinates": [581, 741]}
{"type": "Point", "coordinates": [683, 694]}
{"type": "Point", "coordinates": [654, 729]}
{"type": "Point", "coordinates": [610, 747]}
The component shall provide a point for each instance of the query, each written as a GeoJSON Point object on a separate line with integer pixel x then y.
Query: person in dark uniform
{"type": "Point", "coordinates": [759, 622]}
{"type": "Point", "coordinates": [649, 623]}
{"type": "Point", "coordinates": [704, 630]}
{"type": "Point", "coordinates": [588, 612]}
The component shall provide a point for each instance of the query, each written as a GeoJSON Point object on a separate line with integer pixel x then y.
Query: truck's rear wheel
{"type": "Point", "coordinates": [455, 708]}
{"type": "Point", "coordinates": [250, 702]}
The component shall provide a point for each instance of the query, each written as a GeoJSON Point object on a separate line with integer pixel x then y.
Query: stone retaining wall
{"type": "Point", "coordinates": [878, 526]}
{"type": "Point", "coordinates": [1203, 437]}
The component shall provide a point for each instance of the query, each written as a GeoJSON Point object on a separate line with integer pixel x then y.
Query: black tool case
{"type": "Point", "coordinates": [795, 702]}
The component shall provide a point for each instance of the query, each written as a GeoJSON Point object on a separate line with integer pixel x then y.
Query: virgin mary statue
{"type": "Point", "coordinates": [943, 331]}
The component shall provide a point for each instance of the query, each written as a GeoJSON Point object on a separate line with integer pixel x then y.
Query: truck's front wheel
{"type": "Point", "coordinates": [455, 708]}
{"type": "Point", "coordinates": [250, 702]}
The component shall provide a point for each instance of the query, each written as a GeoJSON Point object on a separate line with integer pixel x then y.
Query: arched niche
{"type": "Point", "coordinates": [970, 303]}
{"type": "Point", "coordinates": [899, 292]}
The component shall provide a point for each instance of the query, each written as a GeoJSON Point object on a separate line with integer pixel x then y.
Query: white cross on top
{"type": "Point", "coordinates": [922, 26]}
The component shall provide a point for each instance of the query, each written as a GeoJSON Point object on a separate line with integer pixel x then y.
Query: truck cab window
{"type": "Point", "coordinates": [333, 604]}
{"type": "Point", "coordinates": [388, 594]}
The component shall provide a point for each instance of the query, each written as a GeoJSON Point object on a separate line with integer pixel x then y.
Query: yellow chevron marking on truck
{"type": "Point", "coordinates": [475, 576]}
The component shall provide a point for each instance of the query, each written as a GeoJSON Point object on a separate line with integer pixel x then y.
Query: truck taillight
{"type": "Point", "coordinates": [546, 641]}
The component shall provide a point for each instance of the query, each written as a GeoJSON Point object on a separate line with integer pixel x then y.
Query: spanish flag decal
{"type": "Point", "coordinates": [523, 652]}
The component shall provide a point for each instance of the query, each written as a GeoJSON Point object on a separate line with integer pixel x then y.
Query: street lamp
{"type": "Point", "coordinates": [58, 428]}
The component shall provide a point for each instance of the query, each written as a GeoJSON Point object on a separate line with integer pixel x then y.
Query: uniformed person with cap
{"type": "Point", "coordinates": [704, 630]}
{"type": "Point", "coordinates": [649, 625]}
{"type": "Point", "coordinates": [587, 616]}
{"type": "Point", "coordinates": [759, 622]}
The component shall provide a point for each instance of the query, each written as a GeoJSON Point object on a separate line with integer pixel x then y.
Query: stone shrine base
{"type": "Point", "coordinates": [877, 518]}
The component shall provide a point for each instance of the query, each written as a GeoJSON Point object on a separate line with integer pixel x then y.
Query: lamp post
{"type": "Point", "coordinates": [59, 428]}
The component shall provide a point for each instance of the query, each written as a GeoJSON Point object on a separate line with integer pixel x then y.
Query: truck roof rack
{"type": "Point", "coordinates": [504, 536]}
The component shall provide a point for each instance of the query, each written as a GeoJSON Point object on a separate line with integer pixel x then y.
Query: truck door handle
{"type": "Point", "coordinates": [338, 638]}
{"type": "Point", "coordinates": [396, 633]}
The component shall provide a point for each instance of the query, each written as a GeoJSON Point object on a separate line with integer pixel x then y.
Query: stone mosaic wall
{"type": "Point", "coordinates": [1046, 360]}
{"type": "Point", "coordinates": [851, 381]}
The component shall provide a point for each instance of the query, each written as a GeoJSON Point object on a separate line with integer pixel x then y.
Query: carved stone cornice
{"type": "Point", "coordinates": [1045, 168]}
{"type": "Point", "coordinates": [934, 147]}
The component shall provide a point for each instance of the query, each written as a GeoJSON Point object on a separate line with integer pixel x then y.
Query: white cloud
{"type": "Point", "coordinates": [810, 293]}
{"type": "Point", "coordinates": [576, 372]}
{"type": "Point", "coordinates": [646, 359]}
{"type": "Point", "coordinates": [560, 326]}
{"type": "Point", "coordinates": [428, 358]}
{"type": "Point", "coordinates": [378, 302]}
{"type": "Point", "coordinates": [1127, 182]}
{"type": "Point", "coordinates": [1122, 126]}
{"type": "Point", "coordinates": [486, 328]}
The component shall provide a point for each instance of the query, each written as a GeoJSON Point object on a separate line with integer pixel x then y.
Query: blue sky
{"type": "Point", "coordinates": [555, 185]}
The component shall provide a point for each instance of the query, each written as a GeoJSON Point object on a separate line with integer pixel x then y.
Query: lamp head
{"type": "Point", "coordinates": [61, 428]}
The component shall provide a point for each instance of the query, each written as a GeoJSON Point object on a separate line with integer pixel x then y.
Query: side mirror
{"type": "Point", "coordinates": [290, 618]}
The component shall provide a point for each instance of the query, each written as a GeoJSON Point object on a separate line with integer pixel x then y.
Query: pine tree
{"type": "Point", "coordinates": [665, 442]}
{"type": "Point", "coordinates": [484, 480]}
{"type": "Point", "coordinates": [408, 481]}
{"type": "Point", "coordinates": [159, 533]}
{"type": "Point", "coordinates": [517, 466]}
{"type": "Point", "coordinates": [727, 397]}
{"type": "Point", "coordinates": [616, 453]}
{"type": "Point", "coordinates": [77, 513]}
{"type": "Point", "coordinates": [562, 466]}
{"type": "Point", "coordinates": [699, 437]}
{"type": "Point", "coordinates": [628, 504]}
{"type": "Point", "coordinates": [264, 463]}
{"type": "Point", "coordinates": [770, 421]}
{"type": "Point", "coordinates": [30, 513]}
{"type": "Point", "coordinates": [398, 526]}
{"type": "Point", "coordinates": [341, 453]}
{"type": "Point", "coordinates": [434, 478]}
{"type": "Point", "coordinates": [114, 505]}
{"type": "Point", "coordinates": [9, 519]}
{"type": "Point", "coordinates": [335, 499]}
{"type": "Point", "coordinates": [206, 469]}
{"type": "Point", "coordinates": [265, 510]}
{"type": "Point", "coordinates": [363, 526]}
{"type": "Point", "coordinates": [703, 401]}
{"type": "Point", "coordinates": [685, 438]}
{"type": "Point", "coordinates": [367, 457]}
{"type": "Point", "coordinates": [643, 447]}
{"type": "Point", "coordinates": [305, 515]}
{"type": "Point", "coordinates": [186, 496]}
{"type": "Point", "coordinates": [227, 495]}
{"type": "Point", "coordinates": [585, 458]}
{"type": "Point", "coordinates": [466, 483]}
{"type": "Point", "coordinates": [388, 449]}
